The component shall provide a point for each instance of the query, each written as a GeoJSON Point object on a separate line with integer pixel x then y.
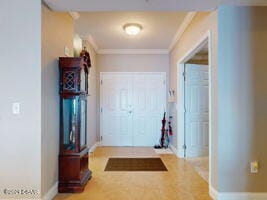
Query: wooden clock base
{"type": "Point", "coordinates": [75, 187]}
{"type": "Point", "coordinates": [73, 172]}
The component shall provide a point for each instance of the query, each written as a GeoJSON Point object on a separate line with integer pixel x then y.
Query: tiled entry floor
{"type": "Point", "coordinates": [180, 182]}
{"type": "Point", "coordinates": [201, 165]}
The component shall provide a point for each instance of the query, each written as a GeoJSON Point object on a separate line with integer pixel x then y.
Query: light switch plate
{"type": "Point", "coordinates": [16, 108]}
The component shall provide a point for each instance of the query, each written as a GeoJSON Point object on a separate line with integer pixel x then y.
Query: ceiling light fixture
{"type": "Point", "coordinates": [132, 28]}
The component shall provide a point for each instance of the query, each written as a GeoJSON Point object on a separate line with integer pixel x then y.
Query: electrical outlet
{"type": "Point", "coordinates": [254, 167]}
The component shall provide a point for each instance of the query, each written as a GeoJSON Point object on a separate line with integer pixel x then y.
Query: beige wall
{"type": "Point", "coordinates": [200, 25]}
{"type": "Point", "coordinates": [238, 93]}
{"type": "Point", "coordinates": [20, 81]}
{"type": "Point", "coordinates": [57, 32]}
{"type": "Point", "coordinates": [129, 63]}
{"type": "Point", "coordinates": [242, 98]}
{"type": "Point", "coordinates": [241, 107]}
{"type": "Point", "coordinates": [91, 101]}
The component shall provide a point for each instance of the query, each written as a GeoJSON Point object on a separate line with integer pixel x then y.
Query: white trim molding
{"type": "Point", "coordinates": [93, 148]}
{"type": "Point", "coordinates": [206, 38]}
{"type": "Point", "coordinates": [52, 192]}
{"type": "Point", "coordinates": [174, 150]}
{"type": "Point", "coordinates": [180, 152]}
{"type": "Point", "coordinates": [133, 51]}
{"type": "Point", "coordinates": [74, 15]}
{"type": "Point", "coordinates": [177, 152]}
{"type": "Point", "coordinates": [242, 196]}
{"type": "Point", "coordinates": [215, 195]}
{"type": "Point", "coordinates": [91, 40]}
{"type": "Point", "coordinates": [187, 20]}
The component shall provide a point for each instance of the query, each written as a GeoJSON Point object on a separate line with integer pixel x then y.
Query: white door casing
{"type": "Point", "coordinates": [143, 108]}
{"type": "Point", "coordinates": [196, 110]}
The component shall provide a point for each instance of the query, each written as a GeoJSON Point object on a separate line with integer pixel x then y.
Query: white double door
{"type": "Point", "coordinates": [132, 106]}
{"type": "Point", "coordinates": [196, 110]}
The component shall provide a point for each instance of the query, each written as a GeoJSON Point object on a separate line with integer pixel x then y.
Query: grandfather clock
{"type": "Point", "coordinates": [73, 156]}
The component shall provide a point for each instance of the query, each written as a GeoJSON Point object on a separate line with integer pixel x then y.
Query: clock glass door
{"type": "Point", "coordinates": [83, 123]}
{"type": "Point", "coordinates": [70, 119]}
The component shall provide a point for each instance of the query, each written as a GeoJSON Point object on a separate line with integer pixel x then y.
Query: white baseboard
{"type": "Point", "coordinates": [173, 148]}
{"type": "Point", "coordinates": [180, 153]}
{"type": "Point", "coordinates": [92, 149]}
{"type": "Point", "coordinates": [236, 195]}
{"type": "Point", "coordinates": [242, 196]}
{"type": "Point", "coordinates": [52, 192]}
{"type": "Point", "coordinates": [213, 193]}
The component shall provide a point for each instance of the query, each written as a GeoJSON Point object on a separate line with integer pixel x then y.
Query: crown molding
{"type": "Point", "coordinates": [91, 40]}
{"type": "Point", "coordinates": [124, 51]}
{"type": "Point", "coordinates": [134, 51]}
{"type": "Point", "coordinates": [93, 43]}
{"type": "Point", "coordinates": [46, 5]}
{"type": "Point", "coordinates": [74, 15]}
{"type": "Point", "coordinates": [187, 20]}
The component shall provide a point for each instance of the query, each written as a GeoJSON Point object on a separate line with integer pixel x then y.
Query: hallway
{"type": "Point", "coordinates": [181, 182]}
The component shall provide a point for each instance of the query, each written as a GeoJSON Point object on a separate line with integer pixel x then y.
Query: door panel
{"type": "Point", "coordinates": [148, 107]}
{"type": "Point", "coordinates": [197, 110]}
{"type": "Point", "coordinates": [132, 108]}
{"type": "Point", "coordinates": [116, 120]}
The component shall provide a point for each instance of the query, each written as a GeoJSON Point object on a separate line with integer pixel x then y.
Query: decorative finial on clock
{"type": "Point", "coordinates": [86, 56]}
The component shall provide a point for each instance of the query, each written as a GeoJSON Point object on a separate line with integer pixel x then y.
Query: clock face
{"type": "Point", "coordinates": [83, 80]}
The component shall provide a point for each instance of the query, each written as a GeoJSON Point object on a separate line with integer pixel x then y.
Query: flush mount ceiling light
{"type": "Point", "coordinates": [132, 28]}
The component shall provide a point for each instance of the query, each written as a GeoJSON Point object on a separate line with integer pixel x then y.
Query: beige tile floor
{"type": "Point", "coordinates": [201, 165]}
{"type": "Point", "coordinates": [181, 182]}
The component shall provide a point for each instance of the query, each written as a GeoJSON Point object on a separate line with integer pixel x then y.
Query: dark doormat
{"type": "Point", "coordinates": [135, 164]}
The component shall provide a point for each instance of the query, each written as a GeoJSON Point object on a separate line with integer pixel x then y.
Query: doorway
{"type": "Point", "coordinates": [196, 104]}
{"type": "Point", "coordinates": [131, 106]}
{"type": "Point", "coordinates": [194, 107]}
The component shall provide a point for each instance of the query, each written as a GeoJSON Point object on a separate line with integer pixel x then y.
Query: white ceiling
{"type": "Point", "coordinates": [144, 5]}
{"type": "Point", "coordinates": [131, 5]}
{"type": "Point", "coordinates": [163, 21]}
{"type": "Point", "coordinates": [105, 28]}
